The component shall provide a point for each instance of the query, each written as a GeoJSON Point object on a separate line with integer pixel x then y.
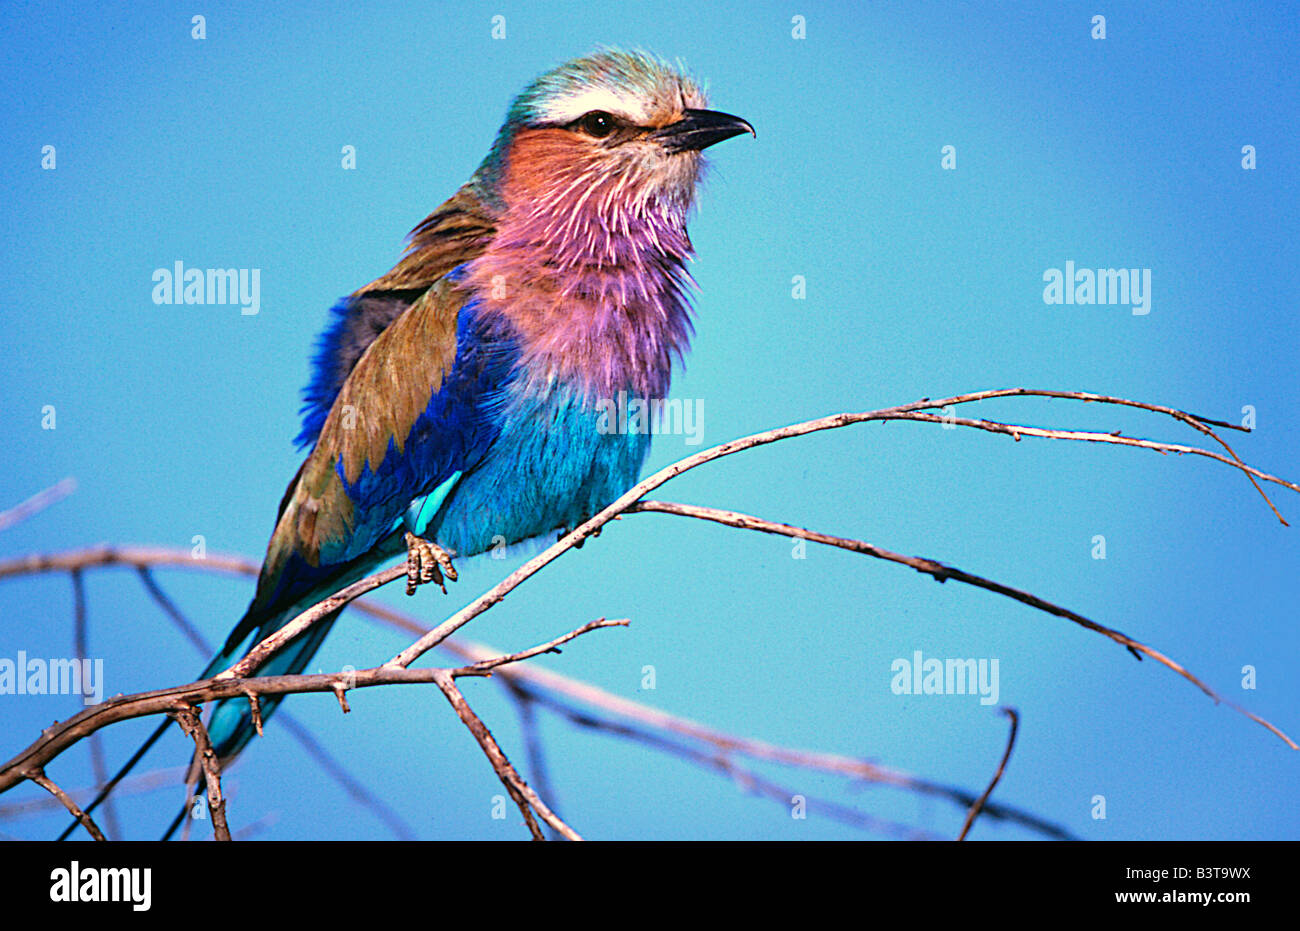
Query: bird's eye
{"type": "Point", "coordinates": [597, 124]}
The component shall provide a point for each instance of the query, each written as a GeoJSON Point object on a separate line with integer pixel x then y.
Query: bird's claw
{"type": "Point", "coordinates": [426, 562]}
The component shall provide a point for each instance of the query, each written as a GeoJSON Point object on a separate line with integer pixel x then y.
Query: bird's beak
{"type": "Point", "coordinates": [700, 129]}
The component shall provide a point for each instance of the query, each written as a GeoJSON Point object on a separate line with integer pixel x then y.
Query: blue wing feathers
{"type": "Point", "coordinates": [356, 323]}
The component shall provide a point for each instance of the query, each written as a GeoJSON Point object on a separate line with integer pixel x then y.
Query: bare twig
{"type": "Point", "coordinates": [903, 412]}
{"type": "Point", "coordinates": [145, 782]}
{"type": "Point", "coordinates": [1201, 424]}
{"type": "Point", "coordinates": [133, 556]}
{"type": "Point", "coordinates": [543, 685]}
{"type": "Point", "coordinates": [484, 667]}
{"type": "Point", "coordinates": [37, 503]}
{"type": "Point", "coordinates": [61, 735]}
{"type": "Point", "coordinates": [523, 797]}
{"type": "Point", "coordinates": [747, 779]}
{"type": "Point", "coordinates": [38, 776]}
{"type": "Point", "coordinates": [81, 648]}
{"type": "Point", "coordinates": [543, 681]}
{"type": "Point", "coordinates": [395, 671]}
{"type": "Point", "coordinates": [942, 573]}
{"type": "Point", "coordinates": [333, 768]}
{"type": "Point", "coordinates": [188, 718]}
{"type": "Point", "coordinates": [350, 784]}
{"type": "Point", "coordinates": [997, 776]}
{"type": "Point", "coordinates": [174, 613]}
{"type": "Point", "coordinates": [526, 707]}
{"type": "Point", "coordinates": [271, 644]}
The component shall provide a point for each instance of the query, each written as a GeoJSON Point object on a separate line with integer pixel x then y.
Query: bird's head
{"type": "Point", "coordinates": [605, 140]}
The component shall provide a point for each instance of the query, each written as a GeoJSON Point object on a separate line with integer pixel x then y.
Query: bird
{"type": "Point", "coordinates": [455, 401]}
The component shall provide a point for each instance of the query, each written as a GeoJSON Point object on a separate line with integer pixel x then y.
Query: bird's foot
{"type": "Point", "coordinates": [426, 562]}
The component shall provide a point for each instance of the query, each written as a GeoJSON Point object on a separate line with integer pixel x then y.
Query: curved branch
{"type": "Point", "coordinates": [540, 683]}
{"type": "Point", "coordinates": [523, 796]}
{"type": "Point", "coordinates": [942, 573]}
{"type": "Point", "coordinates": [206, 758]}
{"type": "Point", "coordinates": [27, 765]}
{"type": "Point", "coordinates": [902, 412]}
{"type": "Point", "coordinates": [997, 776]}
{"type": "Point", "coordinates": [37, 503]}
{"type": "Point", "coordinates": [59, 736]}
{"type": "Point", "coordinates": [38, 776]}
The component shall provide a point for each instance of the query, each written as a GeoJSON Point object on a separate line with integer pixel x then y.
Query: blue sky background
{"type": "Point", "coordinates": [177, 421]}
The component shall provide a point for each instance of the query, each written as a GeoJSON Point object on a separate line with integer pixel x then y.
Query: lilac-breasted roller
{"type": "Point", "coordinates": [455, 399]}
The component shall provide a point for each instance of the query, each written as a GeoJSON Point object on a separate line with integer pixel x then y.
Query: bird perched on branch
{"type": "Point", "coordinates": [455, 399]}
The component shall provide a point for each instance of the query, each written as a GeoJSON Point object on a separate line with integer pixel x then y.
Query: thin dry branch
{"type": "Point", "coordinates": [37, 503]}
{"type": "Point", "coordinates": [542, 681]}
{"type": "Point", "coordinates": [173, 613]}
{"type": "Point", "coordinates": [721, 760]}
{"type": "Point", "coordinates": [61, 735]}
{"type": "Point", "coordinates": [135, 557]}
{"type": "Point", "coordinates": [266, 648]}
{"type": "Point", "coordinates": [336, 771]}
{"type": "Point", "coordinates": [181, 707]}
{"type": "Point", "coordinates": [997, 776]}
{"type": "Point", "coordinates": [1199, 423]}
{"type": "Point", "coordinates": [1016, 431]}
{"type": "Point", "coordinates": [1196, 422]}
{"type": "Point", "coordinates": [942, 573]}
{"type": "Point", "coordinates": [38, 776]}
{"type": "Point", "coordinates": [579, 534]}
{"type": "Point", "coordinates": [484, 667]}
{"type": "Point", "coordinates": [81, 647]}
{"type": "Point", "coordinates": [303, 735]}
{"type": "Point", "coordinates": [524, 796]}
{"type": "Point", "coordinates": [144, 782]}
{"type": "Point", "coordinates": [519, 791]}
{"type": "Point", "coordinates": [206, 758]}
{"type": "Point", "coordinates": [396, 669]}
{"type": "Point", "coordinates": [542, 686]}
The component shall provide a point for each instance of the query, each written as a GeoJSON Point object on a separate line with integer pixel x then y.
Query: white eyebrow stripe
{"type": "Point", "coordinates": [567, 109]}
